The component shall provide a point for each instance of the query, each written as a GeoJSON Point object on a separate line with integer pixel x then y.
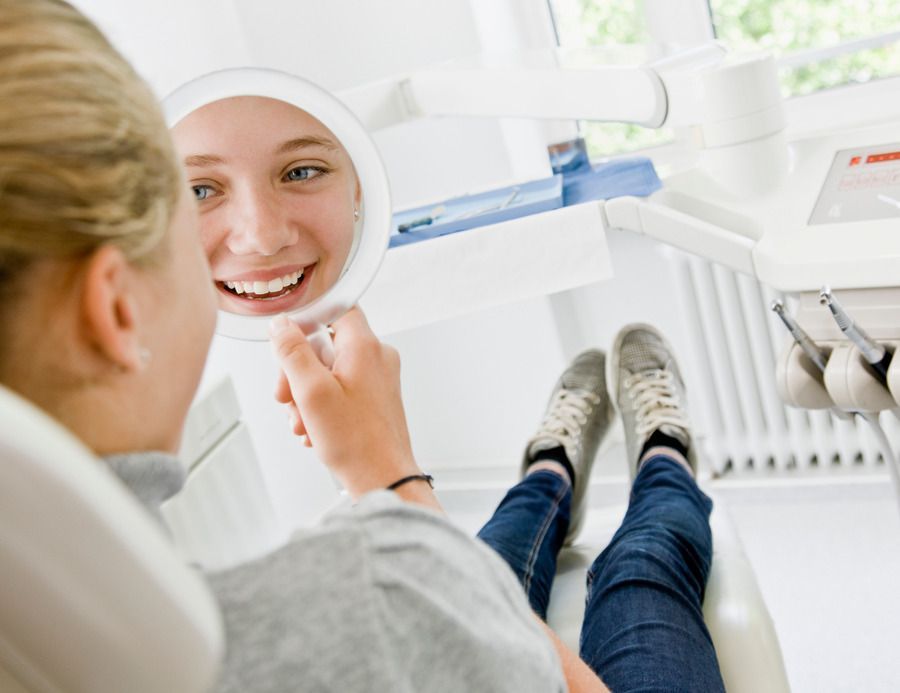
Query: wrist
{"type": "Point", "coordinates": [374, 477]}
{"type": "Point", "coordinates": [419, 490]}
{"type": "Point", "coordinates": [410, 479]}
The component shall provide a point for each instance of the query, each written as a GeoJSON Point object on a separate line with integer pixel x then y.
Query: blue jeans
{"type": "Point", "coordinates": [643, 626]}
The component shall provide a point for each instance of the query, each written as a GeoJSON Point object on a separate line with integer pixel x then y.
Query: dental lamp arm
{"type": "Point", "coordinates": [647, 95]}
{"type": "Point", "coordinates": [615, 94]}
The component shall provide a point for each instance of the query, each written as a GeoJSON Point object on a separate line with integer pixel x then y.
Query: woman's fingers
{"type": "Point", "coordinates": [353, 414]}
{"type": "Point", "coordinates": [283, 389]}
{"type": "Point", "coordinates": [297, 425]}
{"type": "Point", "coordinates": [352, 328]}
{"type": "Point", "coordinates": [308, 380]}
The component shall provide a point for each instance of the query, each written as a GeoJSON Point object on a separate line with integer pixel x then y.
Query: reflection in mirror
{"type": "Point", "coordinates": [279, 201]}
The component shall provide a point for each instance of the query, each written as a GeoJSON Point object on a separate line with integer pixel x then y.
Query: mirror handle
{"type": "Point", "coordinates": [321, 342]}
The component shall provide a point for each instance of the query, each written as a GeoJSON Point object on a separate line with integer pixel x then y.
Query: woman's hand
{"type": "Point", "coordinates": [353, 414]}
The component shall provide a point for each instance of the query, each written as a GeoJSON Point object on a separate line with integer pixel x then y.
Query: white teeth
{"type": "Point", "coordinates": [263, 288]}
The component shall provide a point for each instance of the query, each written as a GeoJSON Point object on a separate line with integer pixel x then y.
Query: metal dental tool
{"type": "Point", "coordinates": [514, 193]}
{"type": "Point", "coordinates": [813, 351]}
{"type": "Point", "coordinates": [874, 353]}
{"type": "Point", "coordinates": [810, 348]}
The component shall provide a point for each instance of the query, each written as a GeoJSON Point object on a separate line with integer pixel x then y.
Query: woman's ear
{"type": "Point", "coordinates": [109, 308]}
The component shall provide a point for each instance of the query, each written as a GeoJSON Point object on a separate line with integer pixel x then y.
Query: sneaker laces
{"type": "Point", "coordinates": [567, 413]}
{"type": "Point", "coordinates": [656, 402]}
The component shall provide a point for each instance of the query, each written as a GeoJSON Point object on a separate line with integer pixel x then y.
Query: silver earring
{"type": "Point", "coordinates": [356, 215]}
{"type": "Point", "coordinates": [145, 355]}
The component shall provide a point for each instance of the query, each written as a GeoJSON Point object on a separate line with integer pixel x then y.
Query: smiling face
{"type": "Point", "coordinates": [278, 198]}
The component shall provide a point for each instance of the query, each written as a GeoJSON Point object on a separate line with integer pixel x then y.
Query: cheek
{"type": "Point", "coordinates": [329, 224]}
{"type": "Point", "coordinates": [212, 230]}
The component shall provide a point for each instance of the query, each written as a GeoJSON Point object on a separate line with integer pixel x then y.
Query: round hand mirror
{"type": "Point", "coordinates": [293, 198]}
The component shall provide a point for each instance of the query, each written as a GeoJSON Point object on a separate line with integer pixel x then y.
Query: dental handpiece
{"type": "Point", "coordinates": [810, 348]}
{"type": "Point", "coordinates": [874, 353]}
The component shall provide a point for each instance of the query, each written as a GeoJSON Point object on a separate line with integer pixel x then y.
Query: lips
{"type": "Point", "coordinates": [255, 293]}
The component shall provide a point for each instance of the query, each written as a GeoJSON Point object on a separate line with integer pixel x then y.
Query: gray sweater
{"type": "Point", "coordinates": [383, 596]}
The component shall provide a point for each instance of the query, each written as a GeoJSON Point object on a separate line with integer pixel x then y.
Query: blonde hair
{"type": "Point", "coordinates": [85, 155]}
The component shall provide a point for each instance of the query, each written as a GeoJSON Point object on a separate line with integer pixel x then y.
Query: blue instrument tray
{"type": "Point", "coordinates": [462, 213]}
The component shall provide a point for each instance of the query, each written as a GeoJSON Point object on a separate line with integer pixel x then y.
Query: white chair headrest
{"type": "Point", "coordinates": [93, 596]}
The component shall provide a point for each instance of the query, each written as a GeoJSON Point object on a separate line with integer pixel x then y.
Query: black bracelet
{"type": "Point", "coordinates": [414, 477]}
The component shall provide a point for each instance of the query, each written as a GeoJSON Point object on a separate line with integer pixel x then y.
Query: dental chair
{"type": "Point", "coordinates": [92, 597]}
{"type": "Point", "coordinates": [734, 611]}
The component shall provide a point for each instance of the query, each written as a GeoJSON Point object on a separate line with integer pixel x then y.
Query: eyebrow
{"type": "Point", "coordinates": [289, 146]}
{"type": "Point", "coordinates": [203, 160]}
{"type": "Point", "coordinates": [303, 142]}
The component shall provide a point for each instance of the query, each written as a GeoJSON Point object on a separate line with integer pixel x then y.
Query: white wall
{"type": "Point", "coordinates": [341, 44]}
{"type": "Point", "coordinates": [170, 42]}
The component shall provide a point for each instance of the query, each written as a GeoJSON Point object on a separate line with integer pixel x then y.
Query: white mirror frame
{"type": "Point", "coordinates": [375, 230]}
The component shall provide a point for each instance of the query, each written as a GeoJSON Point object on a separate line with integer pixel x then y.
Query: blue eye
{"type": "Point", "coordinates": [202, 192]}
{"type": "Point", "coordinates": [301, 173]}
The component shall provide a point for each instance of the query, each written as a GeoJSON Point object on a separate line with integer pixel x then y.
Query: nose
{"type": "Point", "coordinates": [258, 225]}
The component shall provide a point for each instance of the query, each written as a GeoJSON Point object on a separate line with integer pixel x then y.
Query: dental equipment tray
{"type": "Point", "coordinates": [470, 211]}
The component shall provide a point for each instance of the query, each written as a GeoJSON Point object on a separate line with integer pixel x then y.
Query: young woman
{"type": "Point", "coordinates": [106, 315]}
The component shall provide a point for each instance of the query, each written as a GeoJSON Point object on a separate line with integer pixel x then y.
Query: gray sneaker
{"type": "Point", "coordinates": [578, 415]}
{"type": "Point", "coordinates": [646, 386]}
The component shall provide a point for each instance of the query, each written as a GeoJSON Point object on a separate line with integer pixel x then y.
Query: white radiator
{"type": "Point", "coordinates": [735, 340]}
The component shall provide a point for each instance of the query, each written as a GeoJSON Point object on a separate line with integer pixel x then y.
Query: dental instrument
{"type": "Point", "coordinates": [810, 348]}
{"type": "Point", "coordinates": [877, 356]}
{"type": "Point", "coordinates": [813, 351]}
{"type": "Point", "coordinates": [492, 208]}
{"type": "Point", "coordinates": [435, 214]}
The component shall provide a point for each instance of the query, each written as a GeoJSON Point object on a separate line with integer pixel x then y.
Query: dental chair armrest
{"type": "Point", "coordinates": [94, 598]}
{"type": "Point", "coordinates": [737, 618]}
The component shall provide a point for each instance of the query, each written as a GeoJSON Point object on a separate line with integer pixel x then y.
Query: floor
{"type": "Point", "coordinates": [827, 558]}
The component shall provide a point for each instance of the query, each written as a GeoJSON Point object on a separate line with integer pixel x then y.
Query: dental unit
{"type": "Point", "coordinates": [789, 215]}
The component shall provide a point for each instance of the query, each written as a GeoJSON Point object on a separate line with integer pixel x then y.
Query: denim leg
{"type": "Point", "coordinates": [643, 627]}
{"type": "Point", "coordinates": [528, 529]}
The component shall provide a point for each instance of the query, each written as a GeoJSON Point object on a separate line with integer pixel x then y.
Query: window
{"type": "Point", "coordinates": [584, 24]}
{"type": "Point", "coordinates": [819, 43]}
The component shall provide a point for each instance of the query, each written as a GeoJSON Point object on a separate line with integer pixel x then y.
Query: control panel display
{"type": "Point", "coordinates": [862, 185]}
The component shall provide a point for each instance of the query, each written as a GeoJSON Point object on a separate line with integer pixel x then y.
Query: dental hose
{"type": "Point", "coordinates": [886, 451]}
